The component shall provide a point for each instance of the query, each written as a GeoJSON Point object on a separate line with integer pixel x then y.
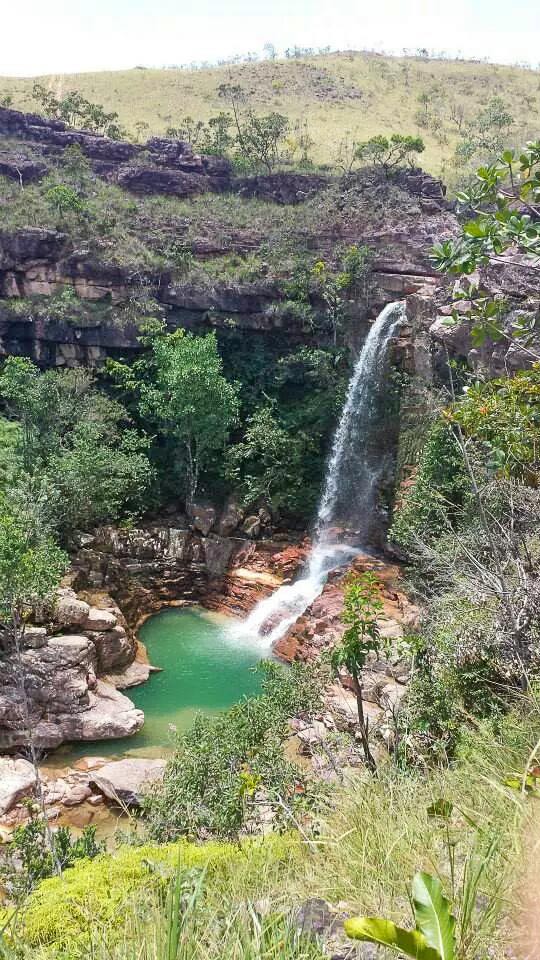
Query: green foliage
{"type": "Point", "coordinates": [504, 198]}
{"type": "Point", "coordinates": [64, 200]}
{"type": "Point", "coordinates": [391, 152]}
{"type": "Point", "coordinates": [76, 110]}
{"type": "Point", "coordinates": [222, 766]}
{"type": "Point", "coordinates": [30, 860]}
{"type": "Point", "coordinates": [485, 134]}
{"type": "Point", "coordinates": [76, 445]}
{"type": "Point", "coordinates": [384, 933]}
{"type": "Point", "coordinates": [504, 414]}
{"type": "Point", "coordinates": [362, 607]}
{"type": "Point", "coordinates": [30, 562]}
{"type": "Point", "coordinates": [190, 401]}
{"type": "Point", "coordinates": [268, 462]}
{"type": "Point", "coordinates": [439, 491]}
{"type": "Point", "coordinates": [93, 899]}
{"type": "Point", "coordinates": [433, 937]}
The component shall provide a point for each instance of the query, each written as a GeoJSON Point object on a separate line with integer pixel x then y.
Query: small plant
{"type": "Point", "coordinates": [64, 200]}
{"type": "Point", "coordinates": [32, 858]}
{"type": "Point", "coordinates": [434, 935]}
{"type": "Point", "coordinates": [362, 607]}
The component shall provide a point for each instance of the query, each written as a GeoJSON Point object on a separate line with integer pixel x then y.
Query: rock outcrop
{"type": "Point", "coordinates": [125, 781]}
{"type": "Point", "coordinates": [63, 663]}
{"type": "Point", "coordinates": [158, 166]}
{"type": "Point", "coordinates": [17, 780]}
{"type": "Point", "coordinates": [38, 263]}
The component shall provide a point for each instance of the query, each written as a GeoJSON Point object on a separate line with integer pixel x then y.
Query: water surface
{"type": "Point", "coordinates": [206, 668]}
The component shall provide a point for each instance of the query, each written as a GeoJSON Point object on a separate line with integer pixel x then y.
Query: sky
{"type": "Point", "coordinates": [75, 36]}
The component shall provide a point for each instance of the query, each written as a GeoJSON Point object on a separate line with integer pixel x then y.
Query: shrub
{"type": "Point", "coordinates": [94, 896]}
{"type": "Point", "coordinates": [223, 766]}
{"type": "Point", "coordinates": [439, 491]}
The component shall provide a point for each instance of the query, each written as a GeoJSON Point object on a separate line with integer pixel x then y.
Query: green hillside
{"type": "Point", "coordinates": [355, 93]}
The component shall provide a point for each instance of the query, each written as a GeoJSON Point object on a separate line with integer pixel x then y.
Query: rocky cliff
{"type": "Point", "coordinates": [65, 662]}
{"type": "Point", "coordinates": [398, 224]}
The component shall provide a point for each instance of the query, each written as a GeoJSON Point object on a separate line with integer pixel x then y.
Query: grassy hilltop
{"type": "Point", "coordinates": [354, 93]}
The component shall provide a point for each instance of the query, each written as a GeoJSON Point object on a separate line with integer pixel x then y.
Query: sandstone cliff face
{"type": "Point", "coordinates": [66, 695]}
{"type": "Point", "coordinates": [168, 166]}
{"type": "Point", "coordinates": [37, 262]}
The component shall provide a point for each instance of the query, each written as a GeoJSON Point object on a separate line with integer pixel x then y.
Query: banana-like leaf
{"type": "Point", "coordinates": [385, 933]}
{"type": "Point", "coordinates": [432, 914]}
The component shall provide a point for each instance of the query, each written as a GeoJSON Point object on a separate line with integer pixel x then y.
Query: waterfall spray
{"type": "Point", "coordinates": [350, 490]}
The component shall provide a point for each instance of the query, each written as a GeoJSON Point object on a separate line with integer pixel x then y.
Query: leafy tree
{"type": "Point", "coordinates": [76, 110]}
{"type": "Point", "coordinates": [64, 200]}
{"type": "Point", "coordinates": [362, 608]}
{"type": "Point", "coordinates": [260, 140]}
{"type": "Point", "coordinates": [505, 200]}
{"type": "Point", "coordinates": [487, 133]}
{"type": "Point", "coordinates": [263, 138]}
{"type": "Point", "coordinates": [190, 401]}
{"type": "Point", "coordinates": [76, 443]}
{"type": "Point", "coordinates": [391, 152]}
{"type": "Point", "coordinates": [268, 462]}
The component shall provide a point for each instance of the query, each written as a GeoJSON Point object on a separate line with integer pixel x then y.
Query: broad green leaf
{"type": "Point", "coordinates": [386, 934]}
{"type": "Point", "coordinates": [432, 914]}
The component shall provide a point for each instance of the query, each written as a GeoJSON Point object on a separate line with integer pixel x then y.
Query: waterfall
{"type": "Point", "coordinates": [354, 471]}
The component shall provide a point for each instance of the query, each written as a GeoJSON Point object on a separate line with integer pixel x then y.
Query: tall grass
{"type": "Point", "coordinates": [316, 89]}
{"type": "Point", "coordinates": [361, 859]}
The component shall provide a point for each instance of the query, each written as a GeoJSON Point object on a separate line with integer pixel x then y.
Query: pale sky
{"type": "Point", "coordinates": [61, 36]}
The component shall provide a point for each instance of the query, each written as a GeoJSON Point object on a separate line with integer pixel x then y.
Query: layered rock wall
{"type": "Point", "coordinates": [56, 686]}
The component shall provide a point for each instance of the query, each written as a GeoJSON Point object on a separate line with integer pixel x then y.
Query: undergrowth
{"type": "Point", "coordinates": [240, 902]}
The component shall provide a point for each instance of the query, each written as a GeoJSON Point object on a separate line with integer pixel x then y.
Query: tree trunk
{"type": "Point", "coordinates": [363, 723]}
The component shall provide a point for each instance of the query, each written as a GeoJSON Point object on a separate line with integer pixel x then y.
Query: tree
{"type": "Point", "coordinates": [505, 201]}
{"type": "Point", "coordinates": [191, 400]}
{"type": "Point", "coordinates": [76, 110]}
{"type": "Point", "coordinates": [268, 462]}
{"type": "Point", "coordinates": [64, 200]}
{"type": "Point", "coordinates": [486, 134]}
{"type": "Point", "coordinates": [260, 139]}
{"type": "Point", "coordinates": [31, 565]}
{"type": "Point", "coordinates": [76, 444]}
{"type": "Point", "coordinates": [362, 608]}
{"type": "Point", "coordinates": [388, 153]}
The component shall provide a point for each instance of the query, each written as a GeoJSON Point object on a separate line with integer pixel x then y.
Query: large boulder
{"type": "Point", "coordinates": [231, 518]}
{"type": "Point", "coordinates": [17, 780]}
{"type": "Point", "coordinates": [99, 620]}
{"type": "Point", "coordinates": [69, 611]}
{"type": "Point", "coordinates": [114, 649]}
{"type": "Point", "coordinates": [125, 781]}
{"type": "Point", "coordinates": [65, 699]}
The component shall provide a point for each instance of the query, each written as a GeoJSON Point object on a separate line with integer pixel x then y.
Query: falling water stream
{"type": "Point", "coordinates": [355, 469]}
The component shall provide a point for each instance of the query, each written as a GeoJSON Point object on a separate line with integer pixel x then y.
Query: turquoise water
{"type": "Point", "coordinates": [203, 670]}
